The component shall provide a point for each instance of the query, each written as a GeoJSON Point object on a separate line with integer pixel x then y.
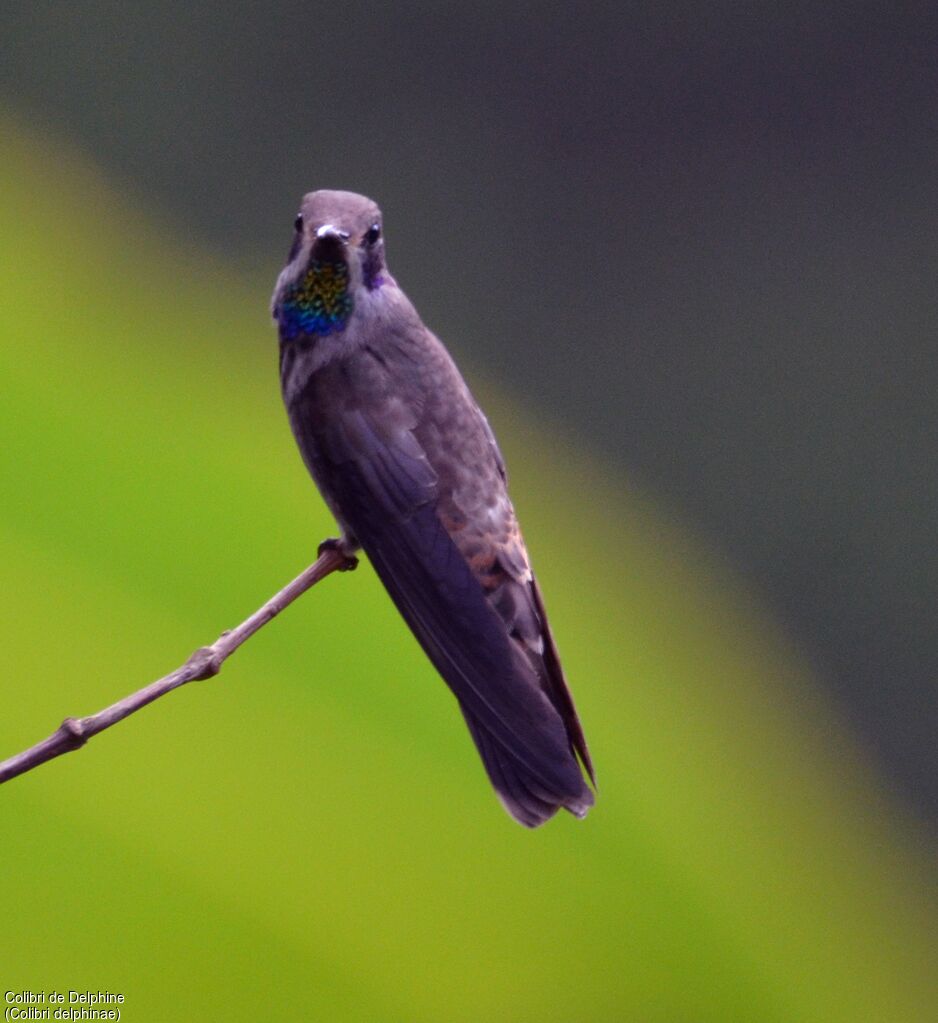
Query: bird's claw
{"type": "Point", "coordinates": [339, 547]}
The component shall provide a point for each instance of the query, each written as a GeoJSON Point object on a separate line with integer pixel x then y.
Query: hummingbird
{"type": "Point", "coordinates": [408, 465]}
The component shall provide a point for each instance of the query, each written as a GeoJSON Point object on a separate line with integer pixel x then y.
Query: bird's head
{"type": "Point", "coordinates": [337, 255]}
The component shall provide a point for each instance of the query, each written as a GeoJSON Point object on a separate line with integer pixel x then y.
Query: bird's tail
{"type": "Point", "coordinates": [527, 798]}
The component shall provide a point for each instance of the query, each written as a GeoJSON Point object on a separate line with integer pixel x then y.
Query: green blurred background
{"type": "Point", "coordinates": [687, 260]}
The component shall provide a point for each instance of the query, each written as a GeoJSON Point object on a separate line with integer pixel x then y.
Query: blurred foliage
{"type": "Point", "coordinates": [311, 835]}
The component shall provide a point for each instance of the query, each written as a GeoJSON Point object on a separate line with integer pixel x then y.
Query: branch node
{"type": "Point", "coordinates": [73, 731]}
{"type": "Point", "coordinates": [205, 663]}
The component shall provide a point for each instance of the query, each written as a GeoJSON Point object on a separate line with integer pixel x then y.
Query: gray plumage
{"type": "Point", "coordinates": [407, 463]}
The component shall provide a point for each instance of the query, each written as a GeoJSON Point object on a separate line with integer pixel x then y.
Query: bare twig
{"type": "Point", "coordinates": [204, 663]}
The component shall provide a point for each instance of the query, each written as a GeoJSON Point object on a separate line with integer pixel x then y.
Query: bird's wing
{"type": "Point", "coordinates": [381, 479]}
{"type": "Point", "coordinates": [490, 540]}
{"type": "Point", "coordinates": [494, 549]}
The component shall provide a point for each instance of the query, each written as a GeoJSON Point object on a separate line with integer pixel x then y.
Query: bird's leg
{"type": "Point", "coordinates": [342, 547]}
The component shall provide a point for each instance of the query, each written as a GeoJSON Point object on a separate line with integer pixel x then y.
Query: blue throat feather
{"type": "Point", "coordinates": [319, 302]}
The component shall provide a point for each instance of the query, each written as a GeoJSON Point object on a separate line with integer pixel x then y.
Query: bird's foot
{"type": "Point", "coordinates": [343, 548]}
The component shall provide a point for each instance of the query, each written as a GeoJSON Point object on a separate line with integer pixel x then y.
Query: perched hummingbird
{"type": "Point", "coordinates": [409, 466]}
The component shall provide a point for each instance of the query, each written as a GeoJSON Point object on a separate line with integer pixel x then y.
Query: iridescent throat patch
{"type": "Point", "coordinates": [319, 302]}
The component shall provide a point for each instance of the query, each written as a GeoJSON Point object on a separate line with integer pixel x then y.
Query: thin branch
{"type": "Point", "coordinates": [204, 663]}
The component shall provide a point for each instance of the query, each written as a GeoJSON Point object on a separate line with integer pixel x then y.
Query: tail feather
{"type": "Point", "coordinates": [522, 795]}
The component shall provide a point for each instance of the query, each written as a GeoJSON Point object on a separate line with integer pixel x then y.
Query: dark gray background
{"type": "Point", "coordinates": [703, 237]}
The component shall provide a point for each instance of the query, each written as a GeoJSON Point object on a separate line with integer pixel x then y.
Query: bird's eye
{"type": "Point", "coordinates": [298, 223]}
{"type": "Point", "coordinates": [372, 234]}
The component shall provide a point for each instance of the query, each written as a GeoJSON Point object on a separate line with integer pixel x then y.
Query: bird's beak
{"type": "Point", "coordinates": [330, 242]}
{"type": "Point", "coordinates": [331, 231]}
